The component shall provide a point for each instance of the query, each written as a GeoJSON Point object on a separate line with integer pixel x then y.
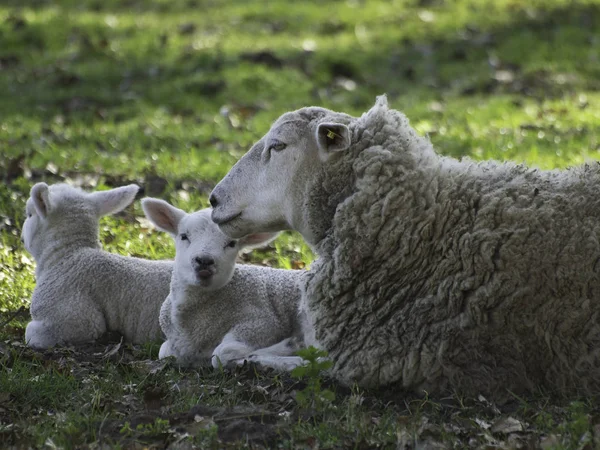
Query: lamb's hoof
{"type": "Point", "coordinates": [215, 362]}
{"type": "Point", "coordinates": [239, 362]}
{"type": "Point", "coordinates": [218, 363]}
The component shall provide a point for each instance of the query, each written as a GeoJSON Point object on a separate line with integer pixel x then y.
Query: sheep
{"type": "Point", "coordinates": [433, 274]}
{"type": "Point", "coordinates": [81, 290]}
{"type": "Point", "coordinates": [219, 312]}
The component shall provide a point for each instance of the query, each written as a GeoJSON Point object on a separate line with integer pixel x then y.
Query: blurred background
{"type": "Point", "coordinates": [170, 93]}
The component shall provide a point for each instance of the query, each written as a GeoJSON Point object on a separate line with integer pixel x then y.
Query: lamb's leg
{"type": "Point", "coordinates": [278, 356]}
{"type": "Point", "coordinates": [166, 350]}
{"type": "Point", "coordinates": [38, 335]}
{"type": "Point", "coordinates": [287, 347]}
{"type": "Point", "coordinates": [229, 350]}
{"type": "Point", "coordinates": [279, 363]}
{"type": "Point", "coordinates": [43, 334]}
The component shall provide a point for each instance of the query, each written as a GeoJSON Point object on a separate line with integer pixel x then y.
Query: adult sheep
{"type": "Point", "coordinates": [433, 273]}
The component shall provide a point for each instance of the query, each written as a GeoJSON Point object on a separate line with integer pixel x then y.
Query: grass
{"type": "Point", "coordinates": [169, 94]}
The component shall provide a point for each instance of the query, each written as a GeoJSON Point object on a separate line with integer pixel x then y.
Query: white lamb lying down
{"type": "Point", "coordinates": [83, 291]}
{"type": "Point", "coordinates": [434, 274]}
{"type": "Point", "coordinates": [220, 312]}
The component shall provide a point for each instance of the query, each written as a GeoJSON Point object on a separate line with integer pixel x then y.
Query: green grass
{"type": "Point", "coordinates": [170, 93]}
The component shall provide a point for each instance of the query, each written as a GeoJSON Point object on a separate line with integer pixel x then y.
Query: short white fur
{"type": "Point", "coordinates": [219, 312]}
{"type": "Point", "coordinates": [81, 290]}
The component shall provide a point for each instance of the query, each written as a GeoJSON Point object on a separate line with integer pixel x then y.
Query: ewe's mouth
{"type": "Point", "coordinates": [226, 219]}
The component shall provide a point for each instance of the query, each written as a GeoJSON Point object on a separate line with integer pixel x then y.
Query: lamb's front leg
{"type": "Point", "coordinates": [233, 351]}
{"type": "Point", "coordinates": [276, 362]}
{"type": "Point", "coordinates": [230, 350]}
{"type": "Point", "coordinates": [279, 356]}
{"type": "Point", "coordinates": [40, 336]}
{"type": "Point", "coordinates": [166, 350]}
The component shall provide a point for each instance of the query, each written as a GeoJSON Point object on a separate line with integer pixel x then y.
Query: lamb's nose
{"type": "Point", "coordinates": [213, 201]}
{"type": "Point", "coordinates": [204, 261]}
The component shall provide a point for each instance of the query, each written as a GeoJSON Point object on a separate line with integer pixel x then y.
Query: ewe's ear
{"type": "Point", "coordinates": [332, 137]}
{"type": "Point", "coordinates": [257, 239]}
{"type": "Point", "coordinates": [113, 200]}
{"type": "Point", "coordinates": [41, 199]}
{"type": "Point", "coordinates": [164, 216]}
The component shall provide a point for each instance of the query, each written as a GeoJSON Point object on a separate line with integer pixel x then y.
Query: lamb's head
{"type": "Point", "coordinates": [205, 256]}
{"type": "Point", "coordinates": [61, 214]}
{"type": "Point", "coordinates": [267, 188]}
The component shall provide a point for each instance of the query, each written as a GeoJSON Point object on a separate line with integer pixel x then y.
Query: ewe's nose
{"type": "Point", "coordinates": [204, 261]}
{"type": "Point", "coordinates": [213, 200]}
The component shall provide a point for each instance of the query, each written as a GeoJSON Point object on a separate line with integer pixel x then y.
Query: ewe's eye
{"type": "Point", "coordinates": [277, 146]}
{"type": "Point", "coordinates": [184, 237]}
{"type": "Point", "coordinates": [231, 244]}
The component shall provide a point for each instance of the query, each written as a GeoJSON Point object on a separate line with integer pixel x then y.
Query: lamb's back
{"type": "Point", "coordinates": [129, 291]}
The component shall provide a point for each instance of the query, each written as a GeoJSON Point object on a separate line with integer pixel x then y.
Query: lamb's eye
{"type": "Point", "coordinates": [184, 237]}
{"type": "Point", "coordinates": [29, 215]}
{"type": "Point", "coordinates": [277, 146]}
{"type": "Point", "coordinates": [231, 244]}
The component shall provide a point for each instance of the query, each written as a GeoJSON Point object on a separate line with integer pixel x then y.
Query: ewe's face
{"type": "Point", "coordinates": [256, 195]}
{"type": "Point", "coordinates": [267, 187]}
{"type": "Point", "coordinates": [205, 256]}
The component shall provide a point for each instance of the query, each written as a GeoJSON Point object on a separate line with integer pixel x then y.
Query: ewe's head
{"type": "Point", "coordinates": [205, 256]}
{"type": "Point", "coordinates": [61, 214]}
{"type": "Point", "coordinates": [265, 189]}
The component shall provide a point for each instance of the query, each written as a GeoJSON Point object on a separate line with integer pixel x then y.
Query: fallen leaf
{"type": "Point", "coordinates": [506, 425]}
{"type": "Point", "coordinates": [113, 351]}
{"type": "Point", "coordinates": [482, 423]}
{"type": "Point", "coordinates": [550, 442]}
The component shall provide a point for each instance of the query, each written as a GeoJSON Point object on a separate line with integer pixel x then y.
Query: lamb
{"type": "Point", "coordinates": [219, 312]}
{"type": "Point", "coordinates": [83, 291]}
{"type": "Point", "coordinates": [433, 274]}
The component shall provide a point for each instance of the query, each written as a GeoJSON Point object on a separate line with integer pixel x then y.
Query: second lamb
{"type": "Point", "coordinates": [219, 312]}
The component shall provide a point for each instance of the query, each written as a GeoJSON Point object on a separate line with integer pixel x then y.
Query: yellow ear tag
{"type": "Point", "coordinates": [331, 134]}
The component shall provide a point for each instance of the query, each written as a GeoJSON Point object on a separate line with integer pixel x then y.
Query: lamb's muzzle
{"type": "Point", "coordinates": [204, 266]}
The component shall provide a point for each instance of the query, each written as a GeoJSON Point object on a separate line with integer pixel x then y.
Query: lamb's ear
{"type": "Point", "coordinates": [41, 199]}
{"type": "Point", "coordinates": [113, 200]}
{"type": "Point", "coordinates": [332, 137]}
{"type": "Point", "coordinates": [381, 102]}
{"type": "Point", "coordinates": [164, 216]}
{"type": "Point", "coordinates": [257, 239]}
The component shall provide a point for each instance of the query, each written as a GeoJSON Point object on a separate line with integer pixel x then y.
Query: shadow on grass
{"type": "Point", "coordinates": [548, 53]}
